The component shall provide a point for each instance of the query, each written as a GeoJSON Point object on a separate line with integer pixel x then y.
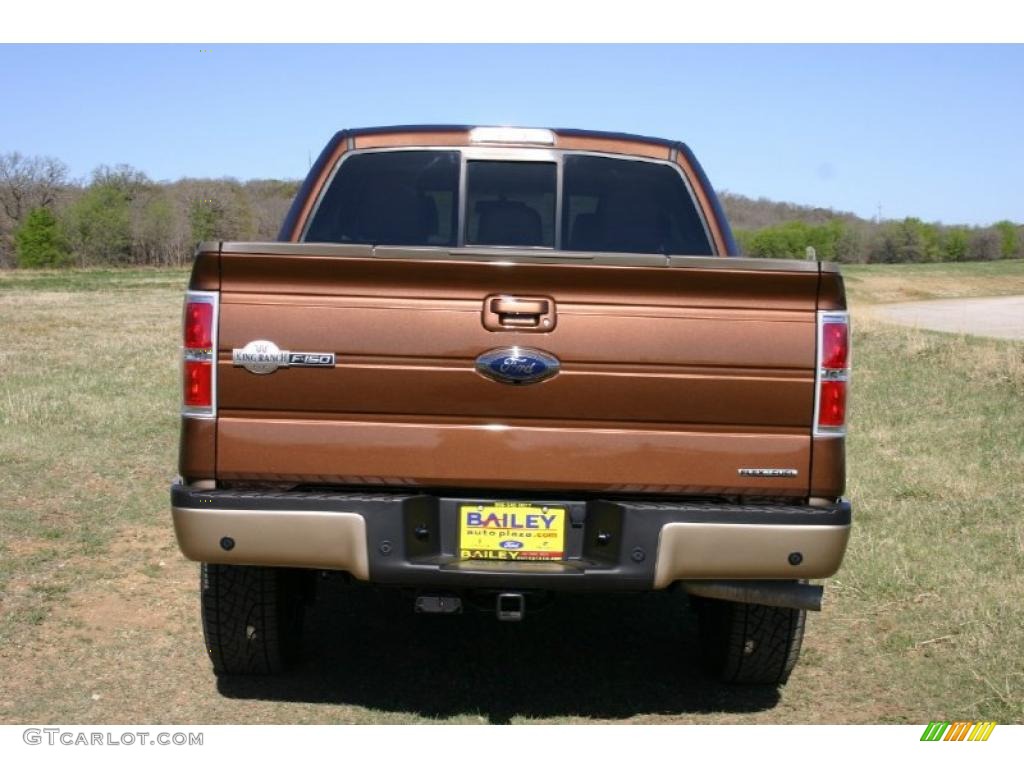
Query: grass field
{"type": "Point", "coordinates": [99, 612]}
{"type": "Point", "coordinates": [891, 283]}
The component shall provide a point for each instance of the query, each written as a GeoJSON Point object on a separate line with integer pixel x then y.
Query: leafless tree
{"type": "Point", "coordinates": [984, 245]}
{"type": "Point", "coordinates": [748, 213]}
{"type": "Point", "coordinates": [29, 182]}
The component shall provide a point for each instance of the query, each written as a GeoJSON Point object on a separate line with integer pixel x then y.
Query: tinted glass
{"type": "Point", "coordinates": [391, 198]}
{"type": "Point", "coordinates": [626, 206]}
{"type": "Point", "coordinates": [510, 203]}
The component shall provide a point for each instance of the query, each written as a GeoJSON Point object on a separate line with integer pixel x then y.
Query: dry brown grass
{"type": "Point", "coordinates": [892, 283]}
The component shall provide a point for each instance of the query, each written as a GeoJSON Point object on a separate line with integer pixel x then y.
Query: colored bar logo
{"type": "Point", "coordinates": [958, 730]}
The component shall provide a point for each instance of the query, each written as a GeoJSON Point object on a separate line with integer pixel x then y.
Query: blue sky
{"type": "Point", "coordinates": [929, 131]}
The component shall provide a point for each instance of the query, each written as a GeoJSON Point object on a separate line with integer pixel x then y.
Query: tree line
{"type": "Point", "coordinates": [119, 216]}
{"type": "Point", "coordinates": [773, 230]}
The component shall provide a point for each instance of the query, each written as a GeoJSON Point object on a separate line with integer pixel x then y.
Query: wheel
{"type": "Point", "coordinates": [252, 617]}
{"type": "Point", "coordinates": [751, 644]}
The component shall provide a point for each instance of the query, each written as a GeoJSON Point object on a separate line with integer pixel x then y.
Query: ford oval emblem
{"type": "Point", "coordinates": [517, 365]}
{"type": "Point", "coordinates": [511, 544]}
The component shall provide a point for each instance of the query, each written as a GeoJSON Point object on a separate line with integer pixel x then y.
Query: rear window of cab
{"type": "Point", "coordinates": [577, 202]}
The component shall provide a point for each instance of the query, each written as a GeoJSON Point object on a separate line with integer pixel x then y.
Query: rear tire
{"type": "Point", "coordinates": [252, 617]}
{"type": "Point", "coordinates": [749, 644]}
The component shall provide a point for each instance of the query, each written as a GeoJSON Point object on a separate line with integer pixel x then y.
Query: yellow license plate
{"type": "Point", "coordinates": [511, 530]}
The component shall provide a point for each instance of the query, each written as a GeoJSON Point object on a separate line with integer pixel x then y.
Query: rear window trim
{"type": "Point", "coordinates": [512, 154]}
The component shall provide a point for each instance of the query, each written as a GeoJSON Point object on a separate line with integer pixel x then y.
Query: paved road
{"type": "Point", "coordinates": [1001, 317]}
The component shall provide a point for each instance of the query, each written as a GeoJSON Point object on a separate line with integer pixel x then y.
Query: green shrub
{"type": "Point", "coordinates": [1010, 245]}
{"type": "Point", "coordinates": [40, 241]}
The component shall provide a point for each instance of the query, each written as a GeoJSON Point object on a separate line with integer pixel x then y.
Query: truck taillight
{"type": "Point", "coordinates": [832, 374]}
{"type": "Point", "coordinates": [198, 384]}
{"type": "Point", "coordinates": [199, 354]}
{"type": "Point", "coordinates": [835, 344]}
{"type": "Point", "coordinates": [832, 404]}
{"type": "Point", "coordinates": [198, 324]}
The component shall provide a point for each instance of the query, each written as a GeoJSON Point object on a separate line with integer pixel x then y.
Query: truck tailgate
{"type": "Point", "coordinates": [676, 372]}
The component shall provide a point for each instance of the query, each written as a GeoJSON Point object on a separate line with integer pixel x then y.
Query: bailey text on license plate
{"type": "Point", "coordinates": [511, 531]}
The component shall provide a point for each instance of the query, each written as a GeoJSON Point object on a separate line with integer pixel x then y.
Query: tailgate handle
{"type": "Point", "coordinates": [519, 313]}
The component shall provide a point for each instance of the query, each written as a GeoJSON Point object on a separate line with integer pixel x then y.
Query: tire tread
{"type": "Point", "coordinates": [246, 618]}
{"type": "Point", "coordinates": [774, 637]}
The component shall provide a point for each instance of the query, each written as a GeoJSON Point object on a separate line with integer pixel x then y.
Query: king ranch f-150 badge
{"type": "Point", "coordinates": [263, 357]}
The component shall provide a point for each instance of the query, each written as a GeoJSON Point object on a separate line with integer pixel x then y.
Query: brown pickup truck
{"type": "Point", "coordinates": [490, 364]}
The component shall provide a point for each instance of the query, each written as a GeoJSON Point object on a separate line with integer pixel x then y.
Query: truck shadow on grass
{"type": "Point", "coordinates": [600, 656]}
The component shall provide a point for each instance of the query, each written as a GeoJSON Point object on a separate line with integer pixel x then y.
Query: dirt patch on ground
{"type": "Point", "coordinates": [135, 597]}
{"type": "Point", "coordinates": [124, 603]}
{"type": "Point", "coordinates": [25, 546]}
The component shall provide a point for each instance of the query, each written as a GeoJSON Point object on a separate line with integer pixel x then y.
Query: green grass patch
{"type": "Point", "coordinates": [936, 563]}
